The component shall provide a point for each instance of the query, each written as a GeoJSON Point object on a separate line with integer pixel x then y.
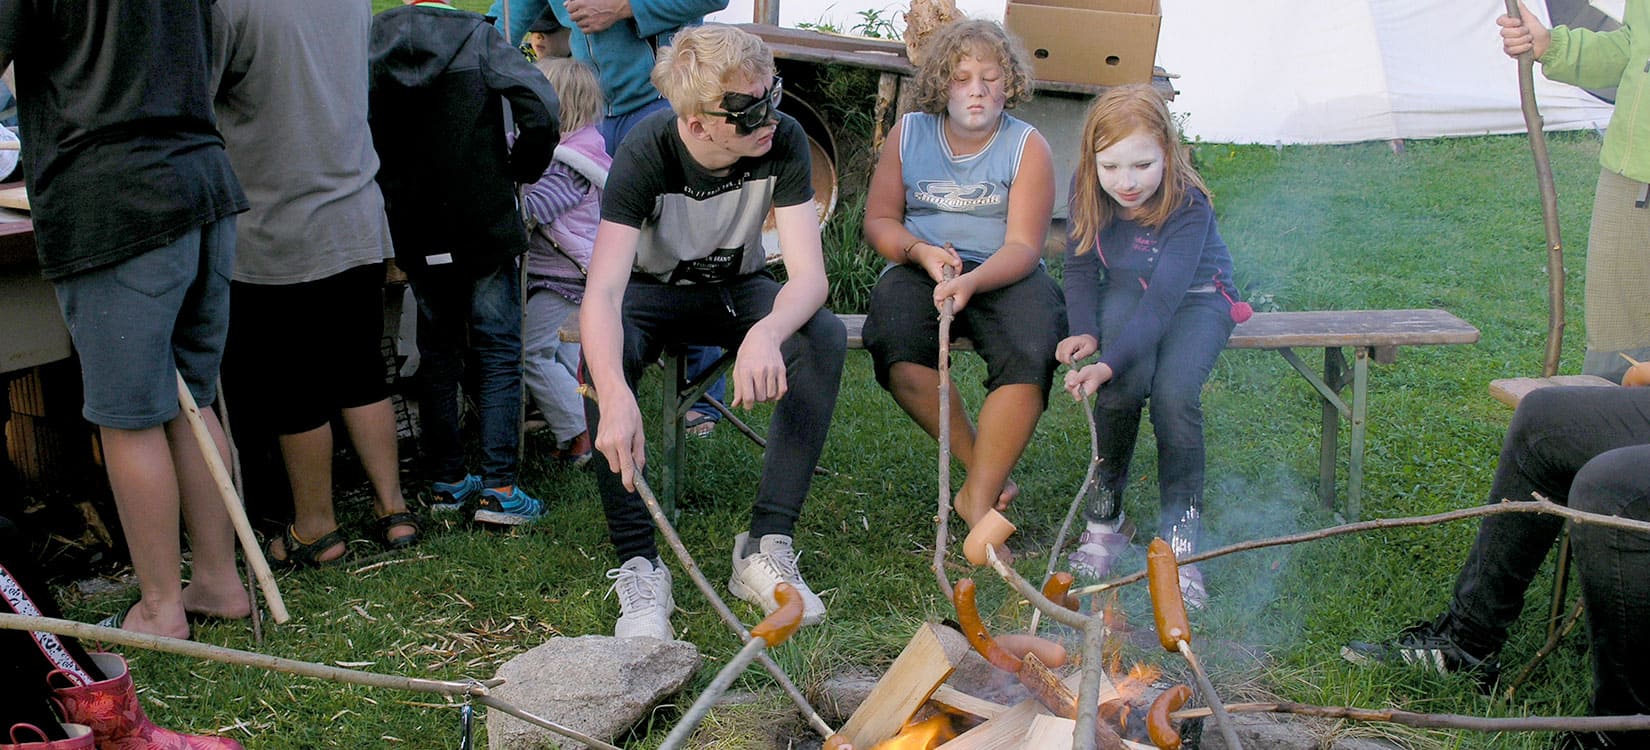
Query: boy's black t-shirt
{"type": "Point", "coordinates": [122, 151]}
{"type": "Point", "coordinates": [698, 227]}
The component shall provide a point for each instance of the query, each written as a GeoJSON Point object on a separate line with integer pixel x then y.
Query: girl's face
{"type": "Point", "coordinates": [1131, 170]}
{"type": "Point", "coordinates": [977, 93]}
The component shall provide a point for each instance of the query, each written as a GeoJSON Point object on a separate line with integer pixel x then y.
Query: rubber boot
{"type": "Point", "coordinates": [112, 710]}
{"type": "Point", "coordinates": [79, 738]}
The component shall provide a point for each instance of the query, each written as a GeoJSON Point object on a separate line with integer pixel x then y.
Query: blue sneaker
{"type": "Point", "coordinates": [450, 497]}
{"type": "Point", "coordinates": [508, 506]}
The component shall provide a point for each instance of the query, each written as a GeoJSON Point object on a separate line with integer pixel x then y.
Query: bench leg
{"type": "Point", "coordinates": [1360, 412]}
{"type": "Point", "coordinates": [673, 448]}
{"type": "Point", "coordinates": [1334, 366]}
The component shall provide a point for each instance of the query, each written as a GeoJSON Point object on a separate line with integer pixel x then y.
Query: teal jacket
{"type": "Point", "coordinates": [623, 53]}
{"type": "Point", "coordinates": [1619, 58]}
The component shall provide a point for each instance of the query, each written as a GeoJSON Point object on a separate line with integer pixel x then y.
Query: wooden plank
{"type": "Point", "coordinates": [15, 197]}
{"type": "Point", "coordinates": [1336, 328]}
{"type": "Point", "coordinates": [1510, 391]}
{"type": "Point", "coordinates": [1008, 730]}
{"type": "Point", "coordinates": [960, 702]}
{"type": "Point", "coordinates": [916, 673]}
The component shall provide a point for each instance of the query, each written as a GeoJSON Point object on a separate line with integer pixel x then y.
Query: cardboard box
{"type": "Point", "coordinates": [1105, 42]}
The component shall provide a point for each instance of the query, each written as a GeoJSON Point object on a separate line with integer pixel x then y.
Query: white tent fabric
{"type": "Point", "coordinates": [1341, 71]}
{"type": "Point", "coordinates": [1322, 71]}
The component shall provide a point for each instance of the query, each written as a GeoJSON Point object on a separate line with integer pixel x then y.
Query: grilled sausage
{"type": "Point", "coordinates": [1158, 725]}
{"type": "Point", "coordinates": [1168, 609]}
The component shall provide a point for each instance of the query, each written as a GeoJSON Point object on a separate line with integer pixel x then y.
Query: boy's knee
{"type": "Point", "coordinates": [1614, 483]}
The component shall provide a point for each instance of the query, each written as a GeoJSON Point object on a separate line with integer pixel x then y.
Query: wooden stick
{"type": "Point", "coordinates": [232, 502]}
{"type": "Point", "coordinates": [1538, 505]}
{"type": "Point", "coordinates": [1082, 491]}
{"type": "Point", "coordinates": [1630, 360]}
{"type": "Point", "coordinates": [11, 146]}
{"type": "Point", "coordinates": [251, 580]}
{"type": "Point", "coordinates": [942, 514]}
{"type": "Point", "coordinates": [1637, 722]}
{"type": "Point", "coordinates": [745, 429]}
{"type": "Point", "coordinates": [674, 540]}
{"type": "Point", "coordinates": [1547, 648]}
{"type": "Point", "coordinates": [1549, 204]}
{"type": "Point", "coordinates": [1228, 732]}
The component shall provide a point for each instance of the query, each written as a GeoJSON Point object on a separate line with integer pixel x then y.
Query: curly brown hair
{"type": "Point", "coordinates": [985, 40]}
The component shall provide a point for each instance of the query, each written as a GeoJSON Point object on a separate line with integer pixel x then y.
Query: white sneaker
{"type": "Point", "coordinates": [645, 603]}
{"type": "Point", "coordinates": [755, 577]}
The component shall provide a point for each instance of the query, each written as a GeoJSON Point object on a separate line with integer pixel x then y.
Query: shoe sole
{"type": "Point", "coordinates": [499, 518]}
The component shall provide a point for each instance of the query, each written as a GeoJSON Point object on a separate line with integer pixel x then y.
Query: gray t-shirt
{"type": "Point", "coordinates": [290, 90]}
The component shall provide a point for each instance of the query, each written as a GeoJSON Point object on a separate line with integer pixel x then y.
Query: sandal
{"type": "Point", "coordinates": [301, 554]}
{"type": "Point", "coordinates": [699, 424]}
{"type": "Point", "coordinates": [1099, 546]}
{"type": "Point", "coordinates": [388, 522]}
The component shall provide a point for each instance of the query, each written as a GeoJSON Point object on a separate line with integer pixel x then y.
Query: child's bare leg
{"type": "Point", "coordinates": [372, 432]}
{"type": "Point", "coordinates": [916, 388]}
{"type": "Point", "coordinates": [1007, 419]}
{"type": "Point", "coordinates": [145, 488]}
{"type": "Point", "coordinates": [308, 459]}
{"type": "Point", "coordinates": [214, 583]}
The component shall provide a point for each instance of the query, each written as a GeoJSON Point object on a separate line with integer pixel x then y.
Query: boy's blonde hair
{"type": "Point", "coordinates": [577, 89]}
{"type": "Point", "coordinates": [985, 40]}
{"type": "Point", "coordinates": [1119, 113]}
{"type": "Point", "coordinates": [702, 62]}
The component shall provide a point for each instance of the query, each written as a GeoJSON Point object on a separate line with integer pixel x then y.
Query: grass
{"type": "Point", "coordinates": [1449, 223]}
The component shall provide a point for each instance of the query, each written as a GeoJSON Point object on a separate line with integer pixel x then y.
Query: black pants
{"type": "Point", "coordinates": [657, 315]}
{"type": "Point", "coordinates": [1588, 448]}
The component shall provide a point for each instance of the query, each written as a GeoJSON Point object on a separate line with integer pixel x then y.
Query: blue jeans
{"type": "Point", "coordinates": [1586, 448]}
{"type": "Point", "coordinates": [485, 312]}
{"type": "Point", "coordinates": [1172, 377]}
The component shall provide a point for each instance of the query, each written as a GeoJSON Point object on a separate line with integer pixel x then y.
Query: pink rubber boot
{"type": "Point", "coordinates": [116, 718]}
{"type": "Point", "coordinates": [80, 738]}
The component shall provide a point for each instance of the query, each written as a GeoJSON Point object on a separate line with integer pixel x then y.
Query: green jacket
{"type": "Point", "coordinates": [1620, 58]}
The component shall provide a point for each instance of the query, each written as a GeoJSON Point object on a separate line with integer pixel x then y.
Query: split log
{"type": "Point", "coordinates": [926, 662]}
{"type": "Point", "coordinates": [958, 702]}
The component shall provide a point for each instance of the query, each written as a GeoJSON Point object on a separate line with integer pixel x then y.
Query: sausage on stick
{"type": "Point", "coordinates": [1174, 631]}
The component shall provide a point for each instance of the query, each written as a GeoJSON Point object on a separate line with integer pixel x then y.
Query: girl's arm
{"type": "Point", "coordinates": [560, 189]}
{"type": "Point", "coordinates": [885, 216]}
{"type": "Point", "coordinates": [1030, 205]}
{"type": "Point", "coordinates": [1180, 248]}
{"type": "Point", "coordinates": [1083, 281]}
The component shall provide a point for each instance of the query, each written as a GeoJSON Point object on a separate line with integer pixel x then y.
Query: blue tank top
{"type": "Point", "coordinates": [959, 199]}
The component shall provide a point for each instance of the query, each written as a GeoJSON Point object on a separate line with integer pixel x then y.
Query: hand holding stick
{"type": "Point", "coordinates": [232, 502]}
{"type": "Point", "coordinates": [1174, 631]}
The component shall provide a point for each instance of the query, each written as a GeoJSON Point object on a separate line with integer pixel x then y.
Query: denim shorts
{"type": "Point", "coordinates": [134, 322]}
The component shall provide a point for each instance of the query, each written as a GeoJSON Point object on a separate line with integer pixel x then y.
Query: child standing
{"type": "Point", "coordinates": [1148, 285]}
{"type": "Point", "coordinates": [439, 79]}
{"type": "Point", "coordinates": [563, 209]}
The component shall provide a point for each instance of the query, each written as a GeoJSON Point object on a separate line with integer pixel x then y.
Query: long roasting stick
{"type": "Point", "coordinates": [1549, 204]}
{"type": "Point", "coordinates": [1636, 722]}
{"type": "Point", "coordinates": [709, 591]}
{"type": "Point", "coordinates": [232, 502]}
{"type": "Point", "coordinates": [942, 515]}
{"type": "Point", "coordinates": [772, 631]}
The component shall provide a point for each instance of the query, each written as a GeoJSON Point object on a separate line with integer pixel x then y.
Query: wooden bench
{"type": "Point", "coordinates": [1370, 334]}
{"type": "Point", "coordinates": [1510, 391]}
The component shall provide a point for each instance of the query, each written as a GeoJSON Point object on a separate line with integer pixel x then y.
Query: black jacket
{"type": "Point", "coordinates": [440, 78]}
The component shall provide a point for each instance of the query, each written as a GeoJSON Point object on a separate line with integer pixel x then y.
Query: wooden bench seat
{"type": "Point", "coordinates": [1510, 391]}
{"type": "Point", "coordinates": [1371, 334]}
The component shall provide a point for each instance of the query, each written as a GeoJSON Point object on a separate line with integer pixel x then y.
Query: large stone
{"type": "Point", "coordinates": [599, 685]}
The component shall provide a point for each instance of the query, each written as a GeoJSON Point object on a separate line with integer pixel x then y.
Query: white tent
{"type": "Point", "coordinates": [1324, 71]}
{"type": "Point", "coordinates": [1340, 71]}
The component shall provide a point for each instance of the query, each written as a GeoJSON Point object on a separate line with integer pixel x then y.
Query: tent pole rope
{"type": "Point", "coordinates": [1549, 204]}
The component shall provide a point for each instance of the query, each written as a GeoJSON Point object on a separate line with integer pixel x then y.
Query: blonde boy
{"type": "Point", "coordinates": [678, 261]}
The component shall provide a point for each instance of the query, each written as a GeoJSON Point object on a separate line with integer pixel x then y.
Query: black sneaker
{"type": "Point", "coordinates": [1423, 645]}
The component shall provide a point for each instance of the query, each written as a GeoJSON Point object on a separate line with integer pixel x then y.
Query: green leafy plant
{"type": "Point", "coordinates": [877, 24]}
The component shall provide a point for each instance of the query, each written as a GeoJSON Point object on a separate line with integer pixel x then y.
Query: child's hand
{"type": "Point", "coordinates": [759, 369]}
{"type": "Point", "coordinates": [619, 437]}
{"type": "Point", "coordinates": [1074, 349]}
{"type": "Point", "coordinates": [959, 290]}
{"type": "Point", "coordinates": [934, 259]}
{"type": "Point", "coordinates": [1087, 380]}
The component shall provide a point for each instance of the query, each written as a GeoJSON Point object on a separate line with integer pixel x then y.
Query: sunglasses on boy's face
{"type": "Point", "coordinates": [746, 112]}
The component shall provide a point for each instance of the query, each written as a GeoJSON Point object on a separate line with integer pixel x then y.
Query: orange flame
{"type": "Point", "coordinates": [924, 735]}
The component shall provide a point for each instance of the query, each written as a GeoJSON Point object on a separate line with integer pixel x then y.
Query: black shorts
{"type": "Point", "coordinates": [1014, 329]}
{"type": "Point", "coordinates": [298, 353]}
